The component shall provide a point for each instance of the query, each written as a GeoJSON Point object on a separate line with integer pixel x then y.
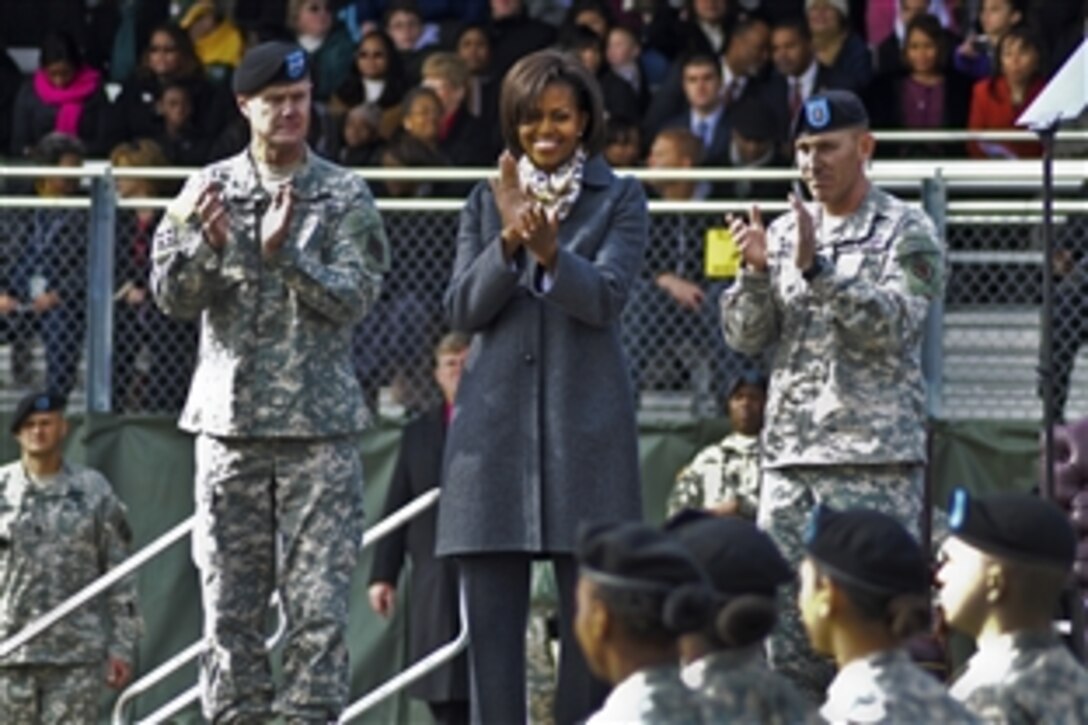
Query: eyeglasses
{"type": "Point", "coordinates": [316, 8]}
{"type": "Point", "coordinates": [162, 49]}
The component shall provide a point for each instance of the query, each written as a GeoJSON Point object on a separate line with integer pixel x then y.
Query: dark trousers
{"type": "Point", "coordinates": [497, 594]}
{"type": "Point", "coordinates": [451, 712]}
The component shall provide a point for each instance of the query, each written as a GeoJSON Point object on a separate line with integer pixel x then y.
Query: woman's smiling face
{"type": "Point", "coordinates": [552, 131]}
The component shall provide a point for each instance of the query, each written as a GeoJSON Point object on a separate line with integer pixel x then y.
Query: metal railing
{"type": "Point", "coordinates": [383, 528]}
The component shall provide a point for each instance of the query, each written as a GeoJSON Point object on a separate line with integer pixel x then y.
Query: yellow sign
{"type": "Point", "coordinates": [721, 256]}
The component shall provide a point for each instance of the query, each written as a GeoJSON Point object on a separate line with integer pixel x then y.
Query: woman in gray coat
{"type": "Point", "coordinates": [543, 433]}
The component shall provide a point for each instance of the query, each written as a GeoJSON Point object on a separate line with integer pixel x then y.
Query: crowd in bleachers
{"type": "Point", "coordinates": [415, 82]}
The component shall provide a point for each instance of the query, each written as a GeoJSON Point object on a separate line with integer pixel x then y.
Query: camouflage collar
{"type": "Point", "coordinates": [859, 225]}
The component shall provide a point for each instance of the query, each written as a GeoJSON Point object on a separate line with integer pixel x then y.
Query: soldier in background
{"type": "Point", "coordinates": [1001, 576]}
{"type": "Point", "coordinates": [724, 478]}
{"type": "Point", "coordinates": [839, 289]}
{"type": "Point", "coordinates": [279, 253]}
{"type": "Point", "coordinates": [61, 527]}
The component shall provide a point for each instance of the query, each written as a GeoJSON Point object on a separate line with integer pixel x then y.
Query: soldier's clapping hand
{"type": "Point", "coordinates": [751, 238]}
{"type": "Point", "coordinates": [804, 254]}
{"type": "Point", "coordinates": [212, 212]}
{"type": "Point", "coordinates": [277, 220]}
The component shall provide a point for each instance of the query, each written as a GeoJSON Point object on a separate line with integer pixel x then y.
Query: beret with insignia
{"type": "Point", "coordinates": [39, 402]}
{"type": "Point", "coordinates": [738, 557]}
{"type": "Point", "coordinates": [268, 64]}
{"type": "Point", "coordinates": [868, 549]}
{"type": "Point", "coordinates": [830, 111]}
{"type": "Point", "coordinates": [1015, 526]}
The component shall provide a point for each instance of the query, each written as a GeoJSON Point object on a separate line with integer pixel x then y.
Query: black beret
{"type": "Point", "coordinates": [830, 111]}
{"type": "Point", "coordinates": [752, 119]}
{"type": "Point", "coordinates": [736, 556]}
{"type": "Point", "coordinates": [1015, 526]}
{"type": "Point", "coordinates": [40, 402]}
{"type": "Point", "coordinates": [637, 557]}
{"type": "Point", "coordinates": [268, 64]}
{"type": "Point", "coordinates": [868, 549]}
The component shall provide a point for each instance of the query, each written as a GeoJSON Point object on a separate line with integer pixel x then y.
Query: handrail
{"type": "Point", "coordinates": [92, 590]}
{"type": "Point", "coordinates": [380, 530]}
{"type": "Point", "coordinates": [438, 657]}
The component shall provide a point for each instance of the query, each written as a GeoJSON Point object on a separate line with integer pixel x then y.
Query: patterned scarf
{"type": "Point", "coordinates": [556, 191]}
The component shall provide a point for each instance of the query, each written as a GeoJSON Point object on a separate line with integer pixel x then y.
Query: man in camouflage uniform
{"type": "Point", "coordinates": [280, 253]}
{"type": "Point", "coordinates": [1001, 576]}
{"type": "Point", "coordinates": [61, 527]}
{"type": "Point", "coordinates": [839, 289]}
{"type": "Point", "coordinates": [724, 478]}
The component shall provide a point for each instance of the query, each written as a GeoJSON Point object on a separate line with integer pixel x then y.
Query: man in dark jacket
{"type": "Point", "coordinates": [433, 612]}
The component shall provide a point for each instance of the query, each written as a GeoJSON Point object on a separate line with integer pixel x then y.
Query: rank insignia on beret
{"type": "Point", "coordinates": [295, 63]}
{"type": "Point", "coordinates": [42, 403]}
{"type": "Point", "coordinates": [817, 112]}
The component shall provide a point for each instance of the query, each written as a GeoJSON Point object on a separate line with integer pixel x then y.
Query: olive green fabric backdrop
{"type": "Point", "coordinates": [150, 465]}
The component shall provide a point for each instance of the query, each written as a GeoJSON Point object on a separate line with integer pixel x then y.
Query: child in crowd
{"type": "Point", "coordinates": [997, 102]}
{"type": "Point", "coordinates": [623, 143]}
{"type": "Point", "coordinates": [179, 138]}
{"type": "Point", "coordinates": [359, 138]}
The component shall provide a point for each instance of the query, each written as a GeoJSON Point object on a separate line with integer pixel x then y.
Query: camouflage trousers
{"type": "Point", "coordinates": [786, 498]}
{"type": "Point", "coordinates": [46, 694]}
{"type": "Point", "coordinates": [285, 515]}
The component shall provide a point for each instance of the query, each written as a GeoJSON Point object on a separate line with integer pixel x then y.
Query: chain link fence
{"type": "Point", "coordinates": [53, 277]}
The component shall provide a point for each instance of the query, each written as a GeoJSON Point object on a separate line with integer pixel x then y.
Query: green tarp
{"type": "Point", "coordinates": [150, 465]}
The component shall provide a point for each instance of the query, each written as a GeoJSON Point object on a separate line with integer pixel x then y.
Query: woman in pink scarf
{"type": "Point", "coordinates": [64, 95]}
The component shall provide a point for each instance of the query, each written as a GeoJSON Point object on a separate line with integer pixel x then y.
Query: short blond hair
{"type": "Point", "coordinates": [451, 344]}
{"type": "Point", "coordinates": [448, 67]}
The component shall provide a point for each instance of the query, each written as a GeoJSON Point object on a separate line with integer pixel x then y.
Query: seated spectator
{"type": "Point", "coordinates": [865, 588]}
{"type": "Point", "coordinates": [890, 52]}
{"type": "Point", "coordinates": [638, 592]}
{"type": "Point", "coordinates": [997, 102]}
{"type": "Point", "coordinates": [797, 75]}
{"type": "Point", "coordinates": [724, 661]}
{"type": "Point", "coordinates": [588, 48]}
{"type": "Point", "coordinates": [593, 14]}
{"type": "Point", "coordinates": [705, 29]}
{"type": "Point", "coordinates": [404, 151]}
{"type": "Point", "coordinates": [404, 24]}
{"type": "Point", "coordinates": [623, 53]}
{"type": "Point", "coordinates": [474, 48]}
{"type": "Point", "coordinates": [216, 39]}
{"type": "Point", "coordinates": [11, 79]}
{"type": "Point", "coordinates": [362, 16]}
{"type": "Point", "coordinates": [63, 96]}
{"type": "Point", "coordinates": [360, 140]}
{"type": "Point", "coordinates": [180, 138]}
{"type": "Point", "coordinates": [705, 115]}
{"type": "Point", "coordinates": [171, 344]}
{"type": "Point", "coordinates": [514, 34]}
{"type": "Point", "coordinates": [169, 58]}
{"type": "Point", "coordinates": [753, 145]}
{"type": "Point", "coordinates": [461, 136]}
{"type": "Point", "coordinates": [837, 46]}
{"type": "Point", "coordinates": [43, 285]}
{"type": "Point", "coordinates": [622, 143]}
{"type": "Point", "coordinates": [422, 119]}
{"type": "Point", "coordinates": [376, 77]}
{"type": "Point", "coordinates": [927, 95]}
{"type": "Point", "coordinates": [723, 478]}
{"type": "Point", "coordinates": [327, 42]}
{"type": "Point", "coordinates": [975, 57]}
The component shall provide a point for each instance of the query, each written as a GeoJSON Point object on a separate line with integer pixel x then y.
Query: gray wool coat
{"type": "Point", "coordinates": [543, 434]}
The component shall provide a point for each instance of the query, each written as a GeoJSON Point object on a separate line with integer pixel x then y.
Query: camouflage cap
{"type": "Point", "coordinates": [269, 64]}
{"type": "Point", "coordinates": [1013, 525]}
{"type": "Point", "coordinates": [39, 402]}
{"type": "Point", "coordinates": [868, 549]}
{"type": "Point", "coordinates": [830, 111]}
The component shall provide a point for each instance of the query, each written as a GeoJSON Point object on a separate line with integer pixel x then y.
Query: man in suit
{"type": "Point", "coordinates": [796, 77]}
{"type": "Point", "coordinates": [433, 614]}
{"type": "Point", "coordinates": [705, 114]}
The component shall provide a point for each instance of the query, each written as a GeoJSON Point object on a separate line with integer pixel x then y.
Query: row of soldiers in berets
{"type": "Point", "coordinates": [675, 619]}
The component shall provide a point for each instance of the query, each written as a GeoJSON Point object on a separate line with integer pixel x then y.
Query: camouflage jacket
{"type": "Point", "coordinates": [846, 375]}
{"type": "Point", "coordinates": [651, 695]}
{"type": "Point", "coordinates": [55, 539]}
{"type": "Point", "coordinates": [887, 687]}
{"type": "Point", "coordinates": [739, 687]}
{"type": "Point", "coordinates": [1024, 678]}
{"type": "Point", "coordinates": [727, 470]}
{"type": "Point", "coordinates": [275, 344]}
